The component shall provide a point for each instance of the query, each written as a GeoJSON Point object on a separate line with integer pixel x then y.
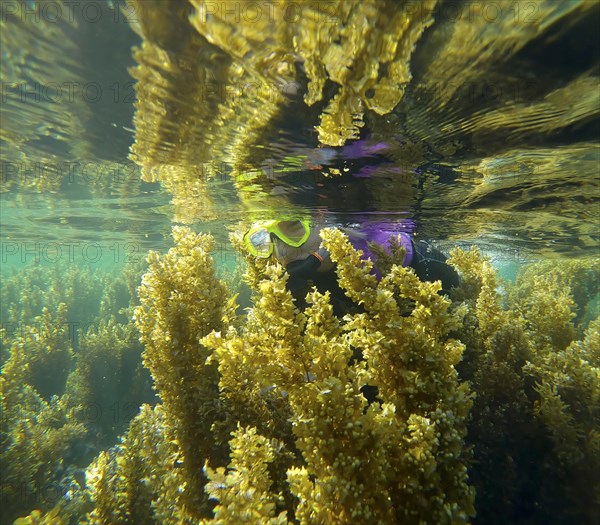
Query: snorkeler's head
{"type": "Point", "coordinates": [259, 240]}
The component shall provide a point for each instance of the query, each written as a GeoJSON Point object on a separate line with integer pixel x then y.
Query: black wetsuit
{"type": "Point", "coordinates": [428, 263]}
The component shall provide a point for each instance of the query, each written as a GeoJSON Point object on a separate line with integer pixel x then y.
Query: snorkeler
{"type": "Point", "coordinates": [298, 247]}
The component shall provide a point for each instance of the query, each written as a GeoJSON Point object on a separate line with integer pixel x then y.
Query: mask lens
{"type": "Point", "coordinates": [293, 232]}
{"type": "Point", "coordinates": [261, 242]}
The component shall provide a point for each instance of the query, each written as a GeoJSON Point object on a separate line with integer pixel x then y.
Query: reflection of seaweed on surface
{"type": "Point", "coordinates": [207, 71]}
{"type": "Point", "coordinates": [464, 82]}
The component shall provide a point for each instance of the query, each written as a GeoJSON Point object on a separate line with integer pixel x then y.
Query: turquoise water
{"type": "Point", "coordinates": [115, 127]}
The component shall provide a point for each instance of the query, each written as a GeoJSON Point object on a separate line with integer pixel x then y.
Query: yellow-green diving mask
{"type": "Point", "coordinates": [258, 238]}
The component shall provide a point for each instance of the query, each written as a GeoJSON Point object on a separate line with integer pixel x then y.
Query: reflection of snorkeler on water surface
{"type": "Point", "coordinates": [370, 174]}
{"type": "Point", "coordinates": [298, 247]}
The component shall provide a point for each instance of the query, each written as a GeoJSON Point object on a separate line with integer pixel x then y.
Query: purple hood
{"type": "Point", "coordinates": [380, 232]}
